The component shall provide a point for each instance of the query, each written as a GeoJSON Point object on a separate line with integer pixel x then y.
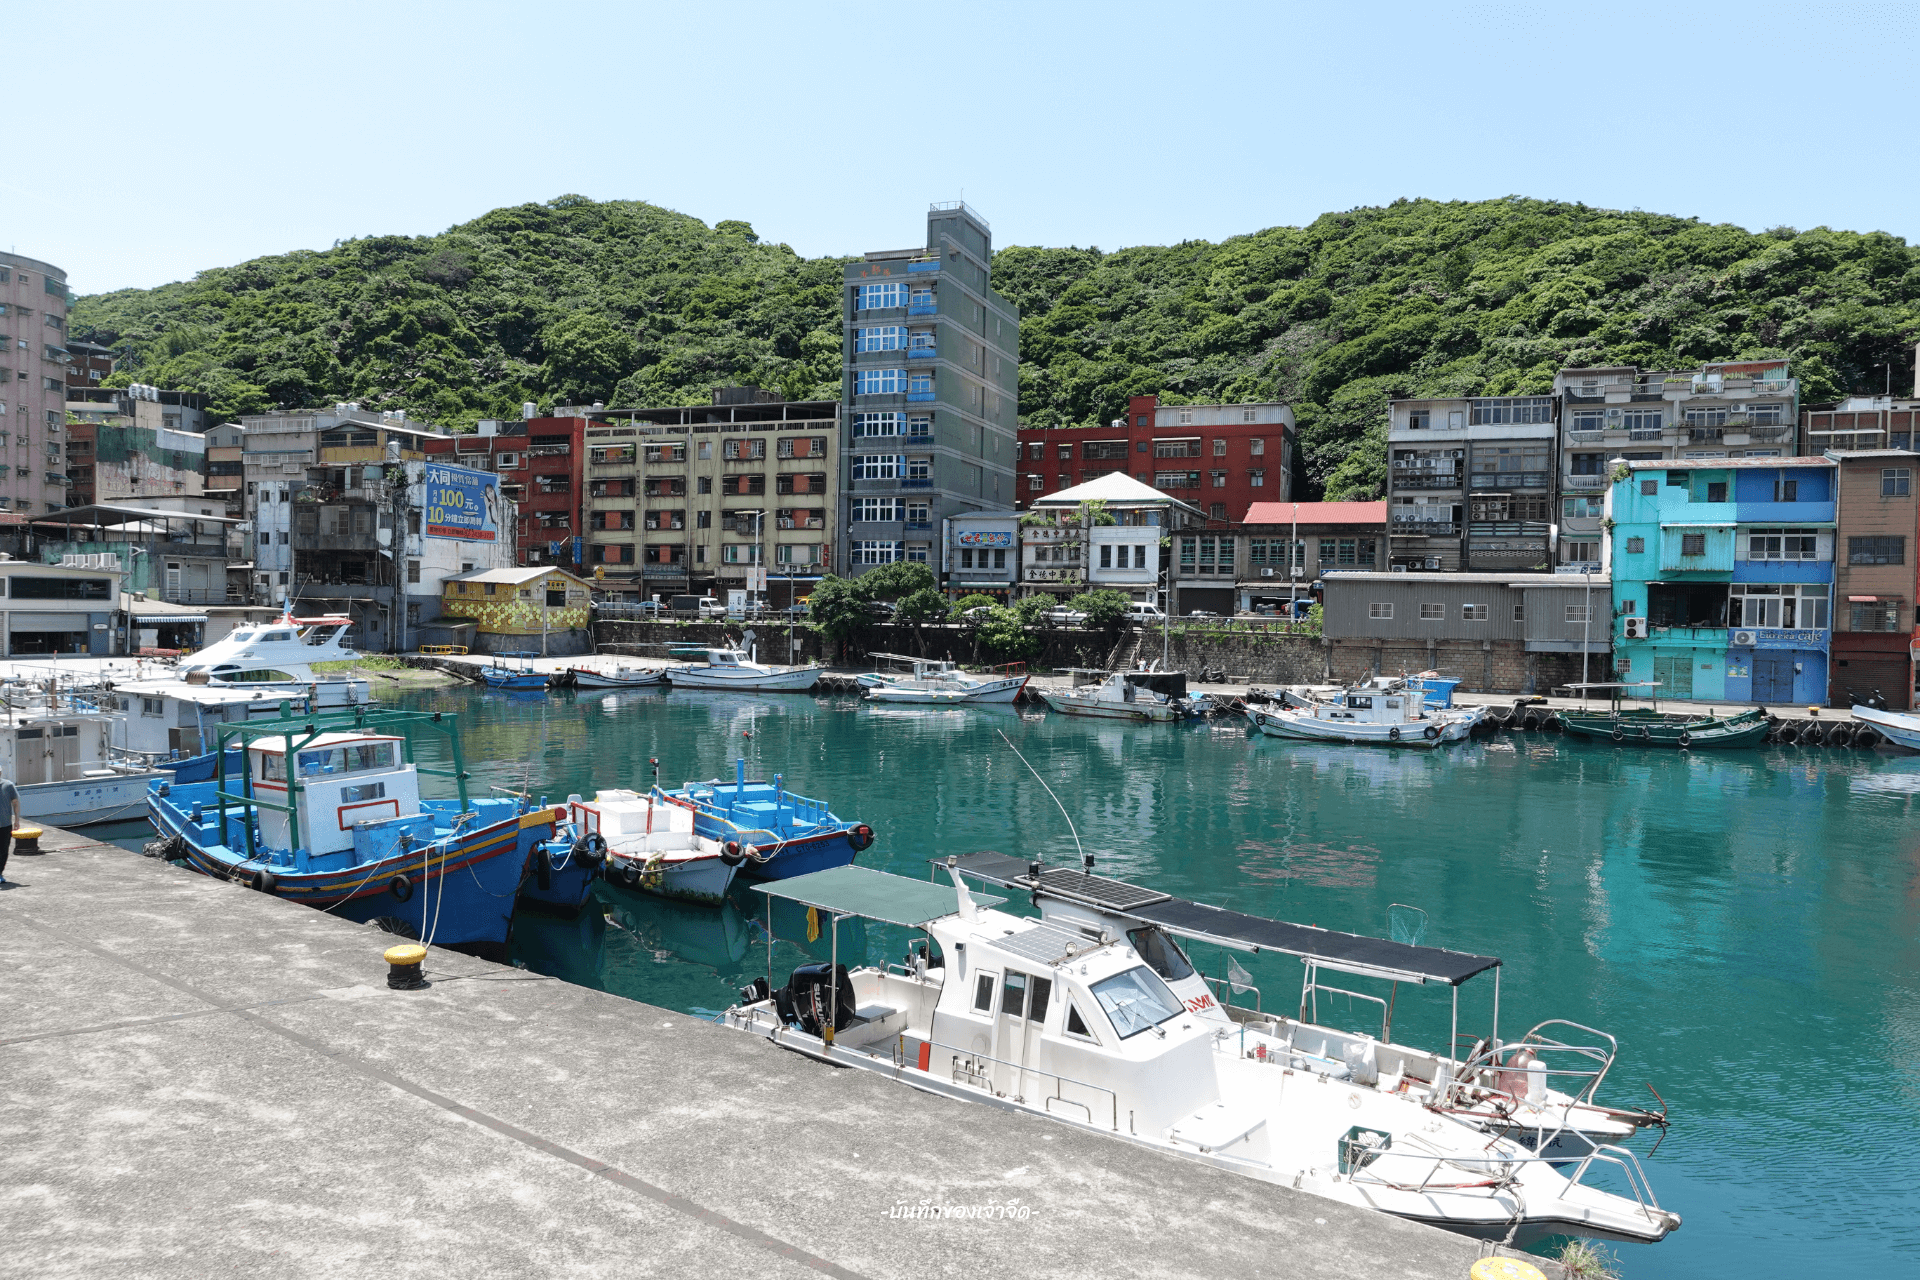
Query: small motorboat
{"type": "Point", "coordinates": [328, 812]}
{"type": "Point", "coordinates": [618, 678]}
{"type": "Point", "coordinates": [1539, 1090]}
{"type": "Point", "coordinates": [1130, 695]}
{"type": "Point", "coordinates": [1384, 711]}
{"type": "Point", "coordinates": [738, 670]}
{"type": "Point", "coordinates": [1651, 727]}
{"type": "Point", "coordinates": [926, 680]}
{"type": "Point", "coordinates": [1898, 727]}
{"type": "Point", "coordinates": [513, 672]}
{"type": "Point", "coordinates": [790, 835]}
{"type": "Point", "coordinates": [650, 844]}
{"type": "Point", "coordinates": [1066, 1022]}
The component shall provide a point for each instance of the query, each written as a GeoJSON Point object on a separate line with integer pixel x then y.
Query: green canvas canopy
{"type": "Point", "coordinates": [873, 895]}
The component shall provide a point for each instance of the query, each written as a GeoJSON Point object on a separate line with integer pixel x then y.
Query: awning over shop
{"type": "Point", "coordinates": [166, 619]}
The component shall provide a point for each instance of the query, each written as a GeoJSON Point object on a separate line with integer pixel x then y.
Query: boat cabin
{"type": "Point", "coordinates": [57, 746]}
{"type": "Point", "coordinates": [345, 789]}
{"type": "Point", "coordinates": [631, 822]}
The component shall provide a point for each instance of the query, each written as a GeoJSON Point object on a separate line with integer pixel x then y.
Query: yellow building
{"type": "Point", "coordinates": [543, 610]}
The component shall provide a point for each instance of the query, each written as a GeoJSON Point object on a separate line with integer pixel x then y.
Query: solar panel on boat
{"type": "Point", "coordinates": [1116, 895]}
{"type": "Point", "coordinates": [1197, 920]}
{"type": "Point", "coordinates": [1047, 943]}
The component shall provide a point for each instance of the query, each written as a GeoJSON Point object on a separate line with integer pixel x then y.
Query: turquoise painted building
{"type": "Point", "coordinates": [1722, 574]}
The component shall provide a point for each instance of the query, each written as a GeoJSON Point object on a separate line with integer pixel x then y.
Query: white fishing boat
{"type": "Point", "coordinates": [1899, 727]}
{"type": "Point", "coordinates": [1072, 1024]}
{"type": "Point", "coordinates": [278, 656]}
{"type": "Point", "coordinates": [1540, 1090]}
{"type": "Point", "coordinates": [649, 844]}
{"type": "Point", "coordinates": [739, 671]}
{"type": "Point", "coordinates": [617, 678]}
{"type": "Point", "coordinates": [1129, 695]}
{"type": "Point", "coordinates": [927, 680]}
{"type": "Point", "coordinates": [172, 720]}
{"type": "Point", "coordinates": [1383, 711]}
{"type": "Point", "coordinates": [58, 749]}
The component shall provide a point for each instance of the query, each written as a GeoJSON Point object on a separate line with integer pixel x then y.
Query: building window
{"type": "Point", "coordinates": [1644, 421]}
{"type": "Point", "coordinates": [1896, 482]}
{"type": "Point", "coordinates": [1175, 448]}
{"type": "Point", "coordinates": [804, 554]}
{"type": "Point", "coordinates": [1219, 448]}
{"type": "Point", "coordinates": [1510, 410]}
{"type": "Point", "coordinates": [1784, 491]}
{"type": "Point", "coordinates": [655, 453]}
{"type": "Point", "coordinates": [1035, 450]}
{"type": "Point", "coordinates": [869, 553]}
{"type": "Point", "coordinates": [1579, 613]}
{"type": "Point", "coordinates": [1582, 508]}
{"type": "Point", "coordinates": [891, 337]}
{"type": "Point", "coordinates": [873, 297]}
{"type": "Point", "coordinates": [1783, 544]}
{"type": "Point", "coordinates": [1258, 443]}
{"type": "Point", "coordinates": [1036, 483]}
{"type": "Point", "coordinates": [743, 450]}
{"type": "Point", "coordinates": [1217, 511]}
{"type": "Point", "coordinates": [1876, 551]}
{"type": "Point", "coordinates": [1579, 552]}
{"type": "Point", "coordinates": [1473, 613]}
{"type": "Point", "coordinates": [879, 382]}
{"type": "Point", "coordinates": [1874, 615]}
{"type": "Point", "coordinates": [1588, 464]}
{"type": "Point", "coordinates": [1379, 610]}
{"type": "Point", "coordinates": [1219, 479]}
{"type": "Point", "coordinates": [1176, 479]}
{"type": "Point", "coordinates": [1433, 613]}
{"type": "Point", "coordinates": [413, 571]}
{"type": "Point", "coordinates": [703, 485]}
{"type": "Point", "coordinates": [920, 382]}
{"type": "Point", "coordinates": [877, 466]}
{"type": "Point", "coordinates": [1693, 544]}
{"type": "Point", "coordinates": [740, 553]}
{"type": "Point", "coordinates": [1257, 479]}
{"type": "Point", "coordinates": [1649, 488]}
{"type": "Point", "coordinates": [1520, 613]}
{"type": "Point", "coordinates": [918, 552]}
{"type": "Point", "coordinates": [872, 510]}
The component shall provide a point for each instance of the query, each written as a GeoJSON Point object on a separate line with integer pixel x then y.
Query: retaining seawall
{"type": "Point", "coordinates": [204, 1080]}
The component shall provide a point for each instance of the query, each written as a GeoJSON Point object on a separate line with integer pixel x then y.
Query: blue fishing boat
{"type": "Point", "coordinates": [327, 811]}
{"type": "Point", "coordinates": [513, 672]}
{"type": "Point", "coordinates": [783, 834]}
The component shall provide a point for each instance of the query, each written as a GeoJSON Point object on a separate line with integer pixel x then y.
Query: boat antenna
{"type": "Point", "coordinates": [1085, 861]}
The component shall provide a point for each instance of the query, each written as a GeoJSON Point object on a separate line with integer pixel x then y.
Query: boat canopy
{"type": "Point", "coordinates": [1347, 952]}
{"type": "Point", "coordinates": [1172, 684]}
{"type": "Point", "coordinates": [873, 895]}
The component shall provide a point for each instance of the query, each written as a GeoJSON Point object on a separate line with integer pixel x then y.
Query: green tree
{"type": "Point", "coordinates": [586, 357]}
{"type": "Point", "coordinates": [966, 604]}
{"type": "Point", "coordinates": [924, 605]}
{"type": "Point", "coordinates": [894, 581]}
{"type": "Point", "coordinates": [1005, 638]}
{"type": "Point", "coordinates": [1105, 609]}
{"type": "Point", "coordinates": [1029, 608]}
{"type": "Point", "coordinates": [838, 610]}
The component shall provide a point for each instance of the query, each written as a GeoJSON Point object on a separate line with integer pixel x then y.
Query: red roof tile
{"type": "Point", "coordinates": [1317, 513]}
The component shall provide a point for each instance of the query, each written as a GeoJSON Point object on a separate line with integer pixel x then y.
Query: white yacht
{"type": "Point", "coordinates": [1540, 1090]}
{"type": "Point", "coordinates": [1041, 1018]}
{"type": "Point", "coordinates": [57, 747]}
{"type": "Point", "coordinates": [928, 680]}
{"type": "Point", "coordinates": [1384, 711]}
{"type": "Point", "coordinates": [1129, 695]}
{"type": "Point", "coordinates": [278, 656]}
{"type": "Point", "coordinates": [738, 670]}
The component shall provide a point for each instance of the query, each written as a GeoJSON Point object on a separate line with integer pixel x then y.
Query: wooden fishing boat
{"type": "Point", "coordinates": [1651, 727]}
{"type": "Point", "coordinates": [517, 675]}
{"type": "Point", "coordinates": [618, 678]}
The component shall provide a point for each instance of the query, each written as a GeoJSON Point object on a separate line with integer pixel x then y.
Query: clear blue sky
{"type": "Point", "coordinates": [170, 138]}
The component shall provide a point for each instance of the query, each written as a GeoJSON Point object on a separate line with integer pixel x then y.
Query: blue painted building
{"type": "Point", "coordinates": [1722, 575]}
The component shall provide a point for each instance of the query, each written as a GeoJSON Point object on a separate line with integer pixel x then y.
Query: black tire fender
{"type": "Point", "coordinates": [1686, 739]}
{"type": "Point", "coordinates": [733, 853]}
{"type": "Point", "coordinates": [591, 847]}
{"type": "Point", "coordinates": [401, 887]}
{"type": "Point", "coordinates": [264, 881]}
{"type": "Point", "coordinates": [629, 874]}
{"type": "Point", "coordinates": [1430, 733]}
{"type": "Point", "coordinates": [861, 838]}
{"type": "Point", "coordinates": [1393, 734]}
{"type": "Point", "coordinates": [1619, 734]}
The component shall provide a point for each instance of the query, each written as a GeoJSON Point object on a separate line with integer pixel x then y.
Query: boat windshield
{"type": "Point", "coordinates": [349, 759]}
{"type": "Point", "coordinates": [1136, 1000]}
{"type": "Point", "coordinates": [1161, 953]}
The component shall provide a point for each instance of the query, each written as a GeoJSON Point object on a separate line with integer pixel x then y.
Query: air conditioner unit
{"type": "Point", "coordinates": [1266, 573]}
{"type": "Point", "coordinates": [1743, 638]}
{"type": "Point", "coordinates": [1399, 568]}
{"type": "Point", "coordinates": [1636, 629]}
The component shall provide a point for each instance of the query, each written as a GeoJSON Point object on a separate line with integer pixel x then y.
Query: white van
{"type": "Point", "coordinates": [1140, 614]}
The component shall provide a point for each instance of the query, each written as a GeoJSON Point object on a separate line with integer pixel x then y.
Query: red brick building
{"type": "Point", "coordinates": [540, 469]}
{"type": "Point", "coordinates": [1221, 458]}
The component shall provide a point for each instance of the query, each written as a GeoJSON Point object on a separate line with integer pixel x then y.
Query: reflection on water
{"type": "Point", "coordinates": [1747, 923]}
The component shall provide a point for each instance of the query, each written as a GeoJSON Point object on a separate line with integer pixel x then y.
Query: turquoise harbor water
{"type": "Point", "coordinates": [1744, 923]}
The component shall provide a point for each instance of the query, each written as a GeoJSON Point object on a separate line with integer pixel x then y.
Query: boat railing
{"type": "Point", "coordinates": [967, 1070]}
{"type": "Point", "coordinates": [1500, 1170]}
{"type": "Point", "coordinates": [1227, 987]}
{"type": "Point", "coordinates": [1310, 1004]}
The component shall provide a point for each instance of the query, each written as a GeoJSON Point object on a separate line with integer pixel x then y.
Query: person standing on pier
{"type": "Point", "coordinates": [10, 809]}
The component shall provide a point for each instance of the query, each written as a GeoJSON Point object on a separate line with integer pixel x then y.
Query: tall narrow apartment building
{"type": "Point", "coordinates": [931, 390]}
{"type": "Point", "coordinates": [33, 397]}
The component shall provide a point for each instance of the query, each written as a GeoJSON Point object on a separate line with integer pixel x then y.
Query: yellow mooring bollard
{"type": "Point", "coordinates": [403, 972]}
{"type": "Point", "coordinates": [26, 841]}
{"type": "Point", "coordinates": [1506, 1269]}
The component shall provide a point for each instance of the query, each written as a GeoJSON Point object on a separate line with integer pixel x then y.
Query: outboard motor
{"type": "Point", "coordinates": [754, 992]}
{"type": "Point", "coordinates": [816, 992]}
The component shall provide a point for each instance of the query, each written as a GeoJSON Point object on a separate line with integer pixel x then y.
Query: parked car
{"type": "Point", "coordinates": [1062, 616]}
{"type": "Point", "coordinates": [1145, 613]}
{"type": "Point", "coordinates": [697, 607]}
{"type": "Point", "coordinates": [1203, 613]}
{"type": "Point", "coordinates": [882, 609]}
{"type": "Point", "coordinates": [977, 612]}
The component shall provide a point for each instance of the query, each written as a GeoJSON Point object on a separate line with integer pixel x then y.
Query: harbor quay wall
{"type": "Point", "coordinates": [168, 1030]}
{"type": "Point", "coordinates": [1481, 666]}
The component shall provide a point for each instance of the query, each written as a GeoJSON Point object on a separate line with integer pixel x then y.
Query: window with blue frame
{"type": "Point", "coordinates": [920, 382]}
{"type": "Point", "coordinates": [877, 466]}
{"type": "Point", "coordinates": [1585, 508]}
{"type": "Point", "coordinates": [868, 552]}
{"type": "Point", "coordinates": [886, 337]}
{"type": "Point", "coordinates": [875, 296]}
{"type": "Point", "coordinates": [879, 382]}
{"type": "Point", "coordinates": [867, 425]}
{"type": "Point", "coordinates": [920, 424]}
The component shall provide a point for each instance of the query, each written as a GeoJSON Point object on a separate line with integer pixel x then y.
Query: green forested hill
{"type": "Point", "coordinates": [574, 301]}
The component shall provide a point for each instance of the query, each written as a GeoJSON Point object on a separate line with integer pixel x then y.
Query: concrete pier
{"type": "Point", "coordinates": [196, 1079]}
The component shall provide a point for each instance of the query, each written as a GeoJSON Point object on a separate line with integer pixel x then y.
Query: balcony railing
{"type": "Point", "coordinates": [548, 451]}
{"type": "Point", "coordinates": [923, 264]}
{"type": "Point", "coordinates": [1586, 482]}
{"type": "Point", "coordinates": [1705, 435]}
{"type": "Point", "coordinates": [799, 524]}
{"type": "Point", "coordinates": [1424, 529]}
{"type": "Point", "coordinates": [1507, 529]}
{"type": "Point", "coordinates": [1424, 479]}
{"type": "Point", "coordinates": [920, 395]}
{"type": "Point", "coordinates": [1650, 435]}
{"type": "Point", "coordinates": [198, 595]}
{"type": "Point", "coordinates": [919, 525]}
{"type": "Point", "coordinates": [917, 483]}
{"type": "Point", "coordinates": [1498, 480]}
{"type": "Point", "coordinates": [921, 353]}
{"type": "Point", "coordinates": [922, 309]}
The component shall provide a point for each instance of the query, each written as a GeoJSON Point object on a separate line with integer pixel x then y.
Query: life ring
{"type": "Point", "coordinates": [629, 874]}
{"type": "Point", "coordinates": [1685, 739]}
{"type": "Point", "coordinates": [1393, 735]}
{"type": "Point", "coordinates": [1430, 733]}
{"type": "Point", "coordinates": [591, 847]}
{"type": "Point", "coordinates": [1619, 734]}
{"type": "Point", "coordinates": [861, 838]}
{"type": "Point", "coordinates": [264, 881]}
{"type": "Point", "coordinates": [400, 887]}
{"type": "Point", "coordinates": [733, 853]}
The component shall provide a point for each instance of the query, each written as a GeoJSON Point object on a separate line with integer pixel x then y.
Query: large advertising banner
{"type": "Point", "coordinates": [463, 504]}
